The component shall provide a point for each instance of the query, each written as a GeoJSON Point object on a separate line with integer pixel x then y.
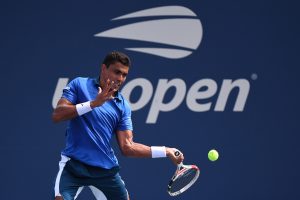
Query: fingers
{"type": "Point", "coordinates": [114, 85]}
{"type": "Point", "coordinates": [108, 90]}
{"type": "Point", "coordinates": [110, 86]}
{"type": "Point", "coordinates": [175, 155]}
{"type": "Point", "coordinates": [179, 156]}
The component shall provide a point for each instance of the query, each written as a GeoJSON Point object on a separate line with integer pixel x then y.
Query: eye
{"type": "Point", "coordinates": [118, 72]}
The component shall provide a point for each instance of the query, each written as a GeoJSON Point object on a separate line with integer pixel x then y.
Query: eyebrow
{"type": "Point", "coordinates": [120, 71]}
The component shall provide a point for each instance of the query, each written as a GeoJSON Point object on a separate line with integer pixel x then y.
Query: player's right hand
{"type": "Point", "coordinates": [176, 159]}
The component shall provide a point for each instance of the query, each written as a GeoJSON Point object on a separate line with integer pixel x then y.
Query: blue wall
{"type": "Point", "coordinates": [248, 44]}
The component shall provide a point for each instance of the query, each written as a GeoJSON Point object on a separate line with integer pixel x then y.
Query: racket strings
{"type": "Point", "coordinates": [184, 179]}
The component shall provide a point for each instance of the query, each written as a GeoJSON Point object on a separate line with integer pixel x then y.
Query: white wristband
{"type": "Point", "coordinates": [158, 152]}
{"type": "Point", "coordinates": [83, 108]}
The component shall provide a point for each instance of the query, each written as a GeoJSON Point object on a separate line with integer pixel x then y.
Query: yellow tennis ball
{"type": "Point", "coordinates": [213, 155]}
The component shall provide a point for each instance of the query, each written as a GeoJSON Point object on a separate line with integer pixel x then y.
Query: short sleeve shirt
{"type": "Point", "coordinates": [88, 136]}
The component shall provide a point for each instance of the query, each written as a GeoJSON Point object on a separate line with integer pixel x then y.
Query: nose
{"type": "Point", "coordinates": [120, 78]}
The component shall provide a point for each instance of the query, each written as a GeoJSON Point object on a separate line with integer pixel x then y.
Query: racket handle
{"type": "Point", "coordinates": [177, 153]}
{"type": "Point", "coordinates": [180, 165]}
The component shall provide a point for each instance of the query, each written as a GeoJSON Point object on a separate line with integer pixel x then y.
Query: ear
{"type": "Point", "coordinates": [103, 68]}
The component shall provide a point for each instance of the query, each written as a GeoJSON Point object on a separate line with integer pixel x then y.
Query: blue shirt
{"type": "Point", "coordinates": [88, 136]}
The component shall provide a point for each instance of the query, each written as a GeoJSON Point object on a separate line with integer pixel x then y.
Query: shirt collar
{"type": "Point", "coordinates": [96, 81]}
{"type": "Point", "coordinates": [97, 84]}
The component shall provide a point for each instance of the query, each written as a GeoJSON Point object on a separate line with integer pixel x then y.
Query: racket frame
{"type": "Point", "coordinates": [181, 168]}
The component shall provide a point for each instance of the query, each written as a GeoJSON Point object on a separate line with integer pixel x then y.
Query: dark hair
{"type": "Point", "coordinates": [116, 56]}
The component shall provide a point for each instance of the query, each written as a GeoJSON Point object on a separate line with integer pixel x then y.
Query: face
{"type": "Point", "coordinates": [116, 72]}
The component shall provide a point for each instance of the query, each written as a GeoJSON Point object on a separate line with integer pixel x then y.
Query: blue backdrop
{"type": "Point", "coordinates": [205, 74]}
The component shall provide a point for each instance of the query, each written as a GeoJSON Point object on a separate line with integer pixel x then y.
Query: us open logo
{"type": "Point", "coordinates": [175, 33]}
{"type": "Point", "coordinates": [180, 33]}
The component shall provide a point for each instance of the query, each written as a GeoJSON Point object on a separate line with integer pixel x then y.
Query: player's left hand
{"type": "Point", "coordinates": [106, 93]}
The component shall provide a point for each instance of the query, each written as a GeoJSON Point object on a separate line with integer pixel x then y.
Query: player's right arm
{"type": "Point", "coordinates": [137, 150]}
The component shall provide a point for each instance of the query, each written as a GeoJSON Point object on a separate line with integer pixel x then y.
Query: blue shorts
{"type": "Point", "coordinates": [73, 176]}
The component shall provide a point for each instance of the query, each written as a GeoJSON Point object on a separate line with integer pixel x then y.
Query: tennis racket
{"type": "Point", "coordinates": [184, 177]}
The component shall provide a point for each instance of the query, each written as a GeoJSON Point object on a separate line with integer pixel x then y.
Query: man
{"type": "Point", "coordinates": [97, 111]}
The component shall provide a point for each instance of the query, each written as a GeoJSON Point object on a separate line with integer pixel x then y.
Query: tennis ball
{"type": "Point", "coordinates": [213, 155]}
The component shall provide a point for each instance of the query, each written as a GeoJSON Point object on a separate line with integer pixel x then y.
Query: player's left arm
{"type": "Point", "coordinates": [132, 149]}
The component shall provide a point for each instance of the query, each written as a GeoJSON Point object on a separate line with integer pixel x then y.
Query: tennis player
{"type": "Point", "coordinates": [97, 111]}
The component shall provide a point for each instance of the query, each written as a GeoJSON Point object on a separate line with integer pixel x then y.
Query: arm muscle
{"type": "Point", "coordinates": [130, 148]}
{"type": "Point", "coordinates": [64, 110]}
